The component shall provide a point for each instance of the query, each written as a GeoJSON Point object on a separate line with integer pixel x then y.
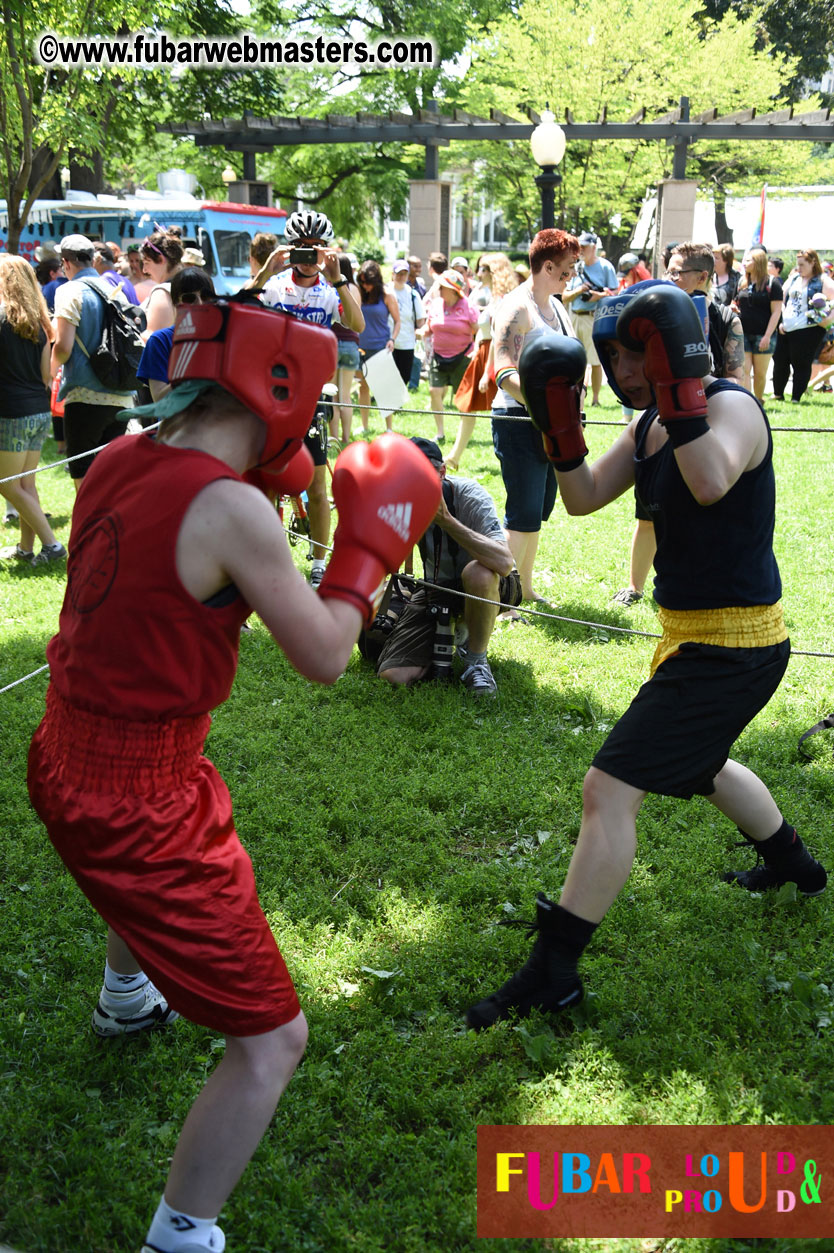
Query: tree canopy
{"type": "Point", "coordinates": [646, 53]}
{"type": "Point", "coordinates": [731, 54]}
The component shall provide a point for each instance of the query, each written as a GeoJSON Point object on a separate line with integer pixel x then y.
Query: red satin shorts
{"type": "Point", "coordinates": [143, 822]}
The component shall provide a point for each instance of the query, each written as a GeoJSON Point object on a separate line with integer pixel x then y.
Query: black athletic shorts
{"type": "Point", "coordinates": [315, 441]}
{"type": "Point", "coordinates": [677, 733]}
{"type": "Point", "coordinates": [86, 427]}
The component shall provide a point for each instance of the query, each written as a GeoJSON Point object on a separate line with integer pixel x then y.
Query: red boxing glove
{"type": "Point", "coordinates": [664, 323]}
{"type": "Point", "coordinates": [552, 374]}
{"type": "Point", "coordinates": [386, 493]}
{"type": "Point", "coordinates": [295, 478]}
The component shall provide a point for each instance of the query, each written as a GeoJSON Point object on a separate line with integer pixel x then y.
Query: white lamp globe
{"type": "Point", "coordinates": [548, 141]}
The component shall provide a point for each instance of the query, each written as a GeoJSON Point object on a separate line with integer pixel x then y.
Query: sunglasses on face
{"type": "Point", "coordinates": [191, 298]}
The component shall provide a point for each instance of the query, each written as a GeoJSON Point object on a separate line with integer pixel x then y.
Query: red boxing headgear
{"type": "Point", "coordinates": [274, 364]}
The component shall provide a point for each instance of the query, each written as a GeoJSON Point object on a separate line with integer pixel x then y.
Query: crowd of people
{"type": "Point", "coordinates": [237, 388]}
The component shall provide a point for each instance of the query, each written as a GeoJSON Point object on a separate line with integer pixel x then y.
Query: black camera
{"type": "Point", "coordinates": [304, 256]}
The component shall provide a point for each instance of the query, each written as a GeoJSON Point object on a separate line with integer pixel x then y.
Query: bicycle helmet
{"type": "Point", "coordinates": [308, 224]}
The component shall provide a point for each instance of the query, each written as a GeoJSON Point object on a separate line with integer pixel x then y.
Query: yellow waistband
{"type": "Point", "coordinates": [739, 626]}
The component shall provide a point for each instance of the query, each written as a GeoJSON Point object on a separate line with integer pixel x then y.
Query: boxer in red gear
{"type": "Point", "coordinates": [146, 647]}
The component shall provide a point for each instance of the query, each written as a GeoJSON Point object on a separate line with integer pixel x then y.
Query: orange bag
{"type": "Point", "coordinates": [467, 398]}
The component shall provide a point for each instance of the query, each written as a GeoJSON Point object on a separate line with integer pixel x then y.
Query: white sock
{"type": "Point", "coordinates": [318, 563]}
{"type": "Point", "coordinates": [172, 1230]}
{"type": "Point", "coordinates": [122, 992]}
{"type": "Point", "coordinates": [472, 658]}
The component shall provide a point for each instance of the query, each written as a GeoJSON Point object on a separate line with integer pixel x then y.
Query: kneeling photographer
{"type": "Point", "coordinates": [463, 550]}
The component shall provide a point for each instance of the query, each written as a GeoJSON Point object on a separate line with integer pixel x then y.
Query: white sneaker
{"type": "Point", "coordinates": [316, 576]}
{"type": "Point", "coordinates": [153, 1012]}
{"type": "Point", "coordinates": [217, 1243]}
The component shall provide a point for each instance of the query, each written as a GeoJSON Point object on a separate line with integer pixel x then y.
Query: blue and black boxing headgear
{"type": "Point", "coordinates": [604, 329]}
{"type": "Point", "coordinates": [607, 312]}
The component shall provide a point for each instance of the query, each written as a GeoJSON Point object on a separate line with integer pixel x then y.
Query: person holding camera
{"type": "Point", "coordinates": [595, 277]}
{"type": "Point", "coordinates": [464, 550]}
{"type": "Point", "coordinates": [302, 278]}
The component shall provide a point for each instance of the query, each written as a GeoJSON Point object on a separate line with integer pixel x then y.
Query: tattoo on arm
{"type": "Point", "coordinates": [734, 353]}
{"type": "Point", "coordinates": [509, 341]}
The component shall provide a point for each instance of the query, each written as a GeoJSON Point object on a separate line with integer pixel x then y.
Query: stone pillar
{"type": "Point", "coordinates": [675, 219]}
{"type": "Point", "coordinates": [429, 219]}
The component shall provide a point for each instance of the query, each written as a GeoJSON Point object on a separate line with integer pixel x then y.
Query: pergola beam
{"type": "Point", "coordinates": [251, 135]}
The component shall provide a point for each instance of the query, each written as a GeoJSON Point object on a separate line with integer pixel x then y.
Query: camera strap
{"type": "Point", "coordinates": [437, 535]}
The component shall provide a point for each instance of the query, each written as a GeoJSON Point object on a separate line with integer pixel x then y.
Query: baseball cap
{"type": "Point", "coordinates": [133, 248]}
{"type": "Point", "coordinates": [627, 262]}
{"type": "Point", "coordinates": [399, 266]}
{"type": "Point", "coordinates": [587, 239]}
{"type": "Point", "coordinates": [456, 261]}
{"type": "Point", "coordinates": [451, 278]}
{"type": "Point", "coordinates": [76, 243]}
{"type": "Point", "coordinates": [428, 448]}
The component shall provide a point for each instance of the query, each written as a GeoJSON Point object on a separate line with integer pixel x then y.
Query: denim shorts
{"type": "Point", "coordinates": [751, 345]}
{"type": "Point", "coordinates": [529, 478]}
{"type": "Point", "coordinates": [25, 434]}
{"type": "Point", "coordinates": [348, 354]}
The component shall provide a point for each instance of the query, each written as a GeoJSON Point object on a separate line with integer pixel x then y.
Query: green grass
{"type": "Point", "coordinates": [390, 830]}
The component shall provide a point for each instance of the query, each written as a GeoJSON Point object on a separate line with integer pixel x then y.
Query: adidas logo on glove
{"type": "Point", "coordinates": [398, 517]}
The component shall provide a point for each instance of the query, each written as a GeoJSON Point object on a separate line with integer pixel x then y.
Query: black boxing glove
{"type": "Point", "coordinates": [664, 323]}
{"type": "Point", "coordinates": [552, 373]}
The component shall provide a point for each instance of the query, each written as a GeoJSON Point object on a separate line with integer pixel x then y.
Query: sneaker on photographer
{"type": "Point", "coordinates": [478, 679]}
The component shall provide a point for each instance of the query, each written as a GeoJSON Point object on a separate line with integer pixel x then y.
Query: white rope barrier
{"type": "Point", "coordinates": [538, 613]}
{"type": "Point", "coordinates": [425, 413]}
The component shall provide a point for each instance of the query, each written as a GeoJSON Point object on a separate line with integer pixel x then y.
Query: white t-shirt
{"type": "Point", "coordinates": [318, 303]}
{"type": "Point", "coordinates": [411, 309]}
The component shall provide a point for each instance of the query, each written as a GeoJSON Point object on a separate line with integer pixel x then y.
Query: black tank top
{"type": "Point", "coordinates": [709, 556]}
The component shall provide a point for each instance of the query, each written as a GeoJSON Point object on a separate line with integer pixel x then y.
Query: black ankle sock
{"type": "Point", "coordinates": [784, 843]}
{"type": "Point", "coordinates": [569, 931]}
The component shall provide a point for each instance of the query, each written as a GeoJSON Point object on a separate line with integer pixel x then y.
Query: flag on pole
{"type": "Point", "coordinates": [758, 230]}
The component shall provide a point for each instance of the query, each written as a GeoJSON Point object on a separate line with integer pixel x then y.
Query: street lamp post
{"type": "Point", "coordinates": [548, 143]}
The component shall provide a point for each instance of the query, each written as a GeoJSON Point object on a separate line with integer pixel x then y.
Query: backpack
{"type": "Point", "coordinates": [116, 357]}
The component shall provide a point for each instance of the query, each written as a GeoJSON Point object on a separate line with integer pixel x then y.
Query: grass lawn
{"type": "Point", "coordinates": [390, 831]}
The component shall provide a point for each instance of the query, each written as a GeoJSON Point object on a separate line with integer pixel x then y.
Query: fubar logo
{"type": "Point", "coordinates": [398, 517]}
{"type": "Point", "coordinates": [658, 1181]}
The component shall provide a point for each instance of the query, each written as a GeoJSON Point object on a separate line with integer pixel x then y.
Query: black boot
{"type": "Point", "coordinates": [549, 979]}
{"type": "Point", "coordinates": [781, 859]}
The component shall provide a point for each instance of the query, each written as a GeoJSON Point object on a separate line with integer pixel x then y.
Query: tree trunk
{"type": "Point", "coordinates": [723, 234]}
{"type": "Point", "coordinates": [51, 189]}
{"type": "Point", "coordinates": [89, 176]}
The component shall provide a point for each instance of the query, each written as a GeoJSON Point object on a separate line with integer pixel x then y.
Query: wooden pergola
{"type": "Point", "coordinates": [251, 135]}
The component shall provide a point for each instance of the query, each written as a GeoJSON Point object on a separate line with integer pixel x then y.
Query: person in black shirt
{"type": "Point", "coordinates": [25, 334]}
{"type": "Point", "coordinates": [700, 457]}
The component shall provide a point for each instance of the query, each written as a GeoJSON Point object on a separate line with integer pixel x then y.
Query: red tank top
{"type": "Point", "coordinates": [132, 643]}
